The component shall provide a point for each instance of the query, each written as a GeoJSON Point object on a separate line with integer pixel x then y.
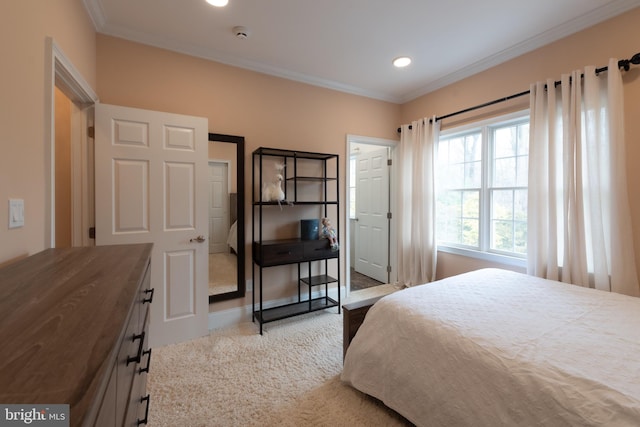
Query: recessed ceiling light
{"type": "Point", "coordinates": [402, 61]}
{"type": "Point", "coordinates": [218, 3]}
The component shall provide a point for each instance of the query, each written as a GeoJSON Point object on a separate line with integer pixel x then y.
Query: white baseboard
{"type": "Point", "coordinates": [234, 316]}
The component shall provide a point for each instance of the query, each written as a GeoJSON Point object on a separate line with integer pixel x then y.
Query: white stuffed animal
{"type": "Point", "coordinates": [272, 192]}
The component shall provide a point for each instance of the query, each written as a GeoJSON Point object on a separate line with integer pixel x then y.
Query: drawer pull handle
{"type": "Point", "coordinates": [146, 368]}
{"type": "Point", "coordinates": [139, 355]}
{"type": "Point", "coordinates": [284, 253]}
{"type": "Point", "coordinates": [146, 411]}
{"type": "Point", "coordinates": [150, 299]}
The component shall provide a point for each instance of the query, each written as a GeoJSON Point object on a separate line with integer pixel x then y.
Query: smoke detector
{"type": "Point", "coordinates": [241, 32]}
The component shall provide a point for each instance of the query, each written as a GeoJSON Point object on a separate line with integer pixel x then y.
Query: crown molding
{"type": "Point", "coordinates": [223, 58]}
{"type": "Point", "coordinates": [96, 13]}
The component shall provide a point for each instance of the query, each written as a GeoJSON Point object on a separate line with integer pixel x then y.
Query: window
{"type": "Point", "coordinates": [482, 187]}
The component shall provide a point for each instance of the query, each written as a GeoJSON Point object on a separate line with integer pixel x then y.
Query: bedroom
{"type": "Point", "coordinates": [225, 102]}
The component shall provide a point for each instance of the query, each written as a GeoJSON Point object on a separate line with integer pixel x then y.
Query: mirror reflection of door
{"type": "Point", "coordinates": [223, 239]}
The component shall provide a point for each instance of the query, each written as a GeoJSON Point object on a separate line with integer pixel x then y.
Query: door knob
{"type": "Point", "coordinates": [198, 239]}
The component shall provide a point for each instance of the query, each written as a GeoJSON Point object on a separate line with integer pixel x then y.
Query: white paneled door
{"type": "Point", "coordinates": [151, 186]}
{"type": "Point", "coordinates": [372, 205]}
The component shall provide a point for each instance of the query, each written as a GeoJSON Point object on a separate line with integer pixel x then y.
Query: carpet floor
{"type": "Point", "coordinates": [223, 273]}
{"type": "Point", "coordinates": [290, 376]}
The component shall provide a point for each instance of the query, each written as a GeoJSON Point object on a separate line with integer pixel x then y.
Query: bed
{"type": "Point", "coordinates": [232, 237]}
{"type": "Point", "coordinates": [494, 348]}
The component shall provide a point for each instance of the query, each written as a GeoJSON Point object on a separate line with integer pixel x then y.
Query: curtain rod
{"type": "Point", "coordinates": [623, 63]}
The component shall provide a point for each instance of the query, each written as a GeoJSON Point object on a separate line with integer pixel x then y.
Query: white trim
{"type": "Point", "coordinates": [503, 119]}
{"type": "Point", "coordinates": [77, 124]}
{"type": "Point", "coordinates": [96, 13]}
{"type": "Point", "coordinates": [485, 256]}
{"type": "Point", "coordinates": [60, 73]}
{"type": "Point", "coordinates": [88, 178]}
{"type": "Point", "coordinates": [82, 176]}
{"type": "Point", "coordinates": [50, 147]}
{"type": "Point", "coordinates": [232, 316]}
{"type": "Point", "coordinates": [68, 79]}
{"type": "Point", "coordinates": [371, 140]}
{"type": "Point", "coordinates": [236, 61]}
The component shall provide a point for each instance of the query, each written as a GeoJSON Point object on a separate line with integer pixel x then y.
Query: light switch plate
{"type": "Point", "coordinates": [16, 213]}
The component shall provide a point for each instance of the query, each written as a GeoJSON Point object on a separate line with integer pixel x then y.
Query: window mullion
{"type": "Point", "coordinates": [485, 205]}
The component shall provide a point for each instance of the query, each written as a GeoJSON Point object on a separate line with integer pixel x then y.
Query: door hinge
{"type": "Point", "coordinates": [92, 232]}
{"type": "Point", "coordinates": [91, 132]}
{"type": "Point", "coordinates": [389, 162]}
{"type": "Point", "coordinates": [388, 269]}
{"type": "Point", "coordinates": [389, 216]}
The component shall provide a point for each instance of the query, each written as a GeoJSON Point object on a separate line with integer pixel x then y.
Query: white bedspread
{"type": "Point", "coordinates": [232, 238]}
{"type": "Point", "coordinates": [497, 348]}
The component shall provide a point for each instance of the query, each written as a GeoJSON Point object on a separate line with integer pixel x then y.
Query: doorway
{"type": "Point", "coordinates": [370, 229]}
{"type": "Point", "coordinates": [77, 100]}
{"type": "Point", "coordinates": [63, 201]}
{"type": "Point", "coordinates": [184, 313]}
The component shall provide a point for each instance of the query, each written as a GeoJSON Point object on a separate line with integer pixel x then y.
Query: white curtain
{"type": "Point", "coordinates": [579, 225]}
{"type": "Point", "coordinates": [417, 249]}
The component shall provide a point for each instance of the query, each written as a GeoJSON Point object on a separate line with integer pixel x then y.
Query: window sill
{"type": "Point", "coordinates": [485, 256]}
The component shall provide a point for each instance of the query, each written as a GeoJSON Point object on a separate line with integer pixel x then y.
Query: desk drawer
{"type": "Point", "coordinates": [318, 249]}
{"type": "Point", "coordinates": [279, 253]}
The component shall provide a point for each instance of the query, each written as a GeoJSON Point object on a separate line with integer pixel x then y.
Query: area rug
{"type": "Point", "coordinates": [289, 376]}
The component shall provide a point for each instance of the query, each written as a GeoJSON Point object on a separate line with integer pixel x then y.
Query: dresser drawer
{"type": "Point", "coordinates": [138, 402]}
{"type": "Point", "coordinates": [133, 342]}
{"type": "Point", "coordinates": [145, 296]}
{"type": "Point", "coordinates": [107, 414]}
{"type": "Point", "coordinates": [275, 253]}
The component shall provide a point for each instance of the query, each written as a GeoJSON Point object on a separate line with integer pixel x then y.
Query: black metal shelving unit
{"type": "Point", "coordinates": [304, 253]}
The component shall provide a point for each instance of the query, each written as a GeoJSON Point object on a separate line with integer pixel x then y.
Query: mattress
{"type": "Point", "coordinates": [494, 347]}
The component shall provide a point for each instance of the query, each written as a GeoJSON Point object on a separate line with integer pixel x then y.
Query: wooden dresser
{"type": "Point", "coordinates": [74, 327]}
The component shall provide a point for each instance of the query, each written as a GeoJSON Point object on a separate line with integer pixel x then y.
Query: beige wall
{"type": "Point", "coordinates": [267, 111]}
{"type": "Point", "coordinates": [24, 25]}
{"type": "Point", "coordinates": [616, 38]}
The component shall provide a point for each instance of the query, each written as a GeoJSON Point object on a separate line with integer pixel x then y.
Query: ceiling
{"type": "Point", "coordinates": [348, 45]}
